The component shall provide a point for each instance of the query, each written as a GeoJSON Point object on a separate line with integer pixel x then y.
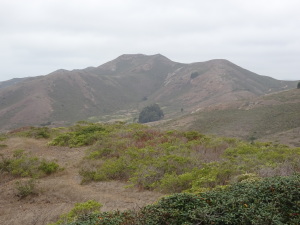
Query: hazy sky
{"type": "Point", "coordinates": [40, 36]}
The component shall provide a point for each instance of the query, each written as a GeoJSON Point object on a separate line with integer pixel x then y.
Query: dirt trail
{"type": "Point", "coordinates": [59, 192]}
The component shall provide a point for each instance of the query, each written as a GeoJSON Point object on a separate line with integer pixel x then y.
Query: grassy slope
{"type": "Point", "coordinates": [262, 118]}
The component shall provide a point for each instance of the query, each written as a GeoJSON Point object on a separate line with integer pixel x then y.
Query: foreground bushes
{"type": "Point", "coordinates": [172, 161]}
{"type": "Point", "coordinates": [80, 210]}
{"type": "Point", "coordinates": [273, 200]}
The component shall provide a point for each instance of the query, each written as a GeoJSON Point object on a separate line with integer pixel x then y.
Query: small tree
{"type": "Point", "coordinates": [194, 75]}
{"type": "Point", "coordinates": [151, 113]}
{"type": "Point", "coordinates": [298, 86]}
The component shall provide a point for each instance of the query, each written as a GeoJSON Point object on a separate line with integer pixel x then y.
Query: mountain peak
{"type": "Point", "coordinates": [139, 56]}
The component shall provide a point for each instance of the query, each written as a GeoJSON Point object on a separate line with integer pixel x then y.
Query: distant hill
{"type": "Point", "coordinates": [273, 117]}
{"type": "Point", "coordinates": [217, 81]}
{"type": "Point", "coordinates": [128, 82]}
{"type": "Point", "coordinates": [13, 81]}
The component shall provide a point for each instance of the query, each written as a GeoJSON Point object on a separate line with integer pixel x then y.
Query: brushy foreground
{"type": "Point", "coordinates": [173, 161]}
{"type": "Point", "coordinates": [213, 180]}
{"type": "Point", "coordinates": [273, 200]}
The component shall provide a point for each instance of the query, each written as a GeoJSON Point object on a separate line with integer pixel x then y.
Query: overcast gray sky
{"type": "Point", "coordinates": [40, 36]}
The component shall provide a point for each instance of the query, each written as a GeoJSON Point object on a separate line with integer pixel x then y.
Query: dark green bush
{"type": "Point", "coordinates": [81, 212]}
{"type": "Point", "coordinates": [273, 200]}
{"type": "Point", "coordinates": [151, 113]}
{"type": "Point", "coordinates": [194, 74]}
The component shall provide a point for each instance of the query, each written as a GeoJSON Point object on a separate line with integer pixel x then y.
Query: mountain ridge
{"type": "Point", "coordinates": [131, 81]}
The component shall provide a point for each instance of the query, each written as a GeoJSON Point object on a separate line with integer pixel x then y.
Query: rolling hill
{"type": "Point", "coordinates": [128, 82]}
{"type": "Point", "coordinates": [272, 117]}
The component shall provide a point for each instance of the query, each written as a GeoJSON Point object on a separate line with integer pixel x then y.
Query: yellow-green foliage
{"type": "Point", "coordinates": [35, 132]}
{"type": "Point", "coordinates": [172, 161]}
{"type": "Point", "coordinates": [24, 165]}
{"type": "Point", "coordinates": [3, 137]}
{"type": "Point", "coordinates": [79, 210]}
{"type": "Point", "coordinates": [82, 134]}
{"type": "Point", "coordinates": [176, 161]}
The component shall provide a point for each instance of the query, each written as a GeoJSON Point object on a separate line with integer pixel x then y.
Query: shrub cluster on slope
{"type": "Point", "coordinates": [174, 161]}
{"type": "Point", "coordinates": [273, 200]}
{"type": "Point", "coordinates": [33, 132]}
{"type": "Point", "coordinates": [24, 165]}
{"type": "Point", "coordinates": [81, 134]}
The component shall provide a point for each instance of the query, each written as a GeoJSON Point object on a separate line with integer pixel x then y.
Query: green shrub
{"type": "Point", "coordinates": [173, 183]}
{"type": "Point", "coordinates": [35, 132]}
{"type": "Point", "coordinates": [176, 161]}
{"type": "Point", "coordinates": [273, 200]}
{"type": "Point", "coordinates": [151, 113]}
{"type": "Point", "coordinates": [26, 188]}
{"type": "Point", "coordinates": [23, 165]}
{"type": "Point", "coordinates": [192, 135]}
{"type": "Point", "coordinates": [194, 74]}
{"type": "Point", "coordinates": [80, 135]}
{"type": "Point", "coordinates": [48, 167]}
{"type": "Point", "coordinates": [3, 137]}
{"type": "Point", "coordinates": [79, 212]}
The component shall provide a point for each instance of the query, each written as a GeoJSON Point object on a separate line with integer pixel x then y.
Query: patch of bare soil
{"type": "Point", "coordinates": [58, 193]}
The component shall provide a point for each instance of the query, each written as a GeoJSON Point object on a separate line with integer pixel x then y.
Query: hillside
{"type": "Point", "coordinates": [126, 84]}
{"type": "Point", "coordinates": [7, 83]}
{"type": "Point", "coordinates": [45, 171]}
{"type": "Point", "coordinates": [273, 117]}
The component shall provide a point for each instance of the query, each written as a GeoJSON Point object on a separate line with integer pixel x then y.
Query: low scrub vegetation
{"type": "Point", "coordinates": [173, 161]}
{"type": "Point", "coordinates": [176, 161]}
{"type": "Point", "coordinates": [33, 132]}
{"type": "Point", "coordinates": [22, 164]}
{"type": "Point", "coordinates": [80, 210]}
{"type": "Point", "coordinates": [273, 200]}
{"type": "Point", "coordinates": [213, 180]}
{"type": "Point", "coordinates": [26, 188]}
{"type": "Point", "coordinates": [79, 135]}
